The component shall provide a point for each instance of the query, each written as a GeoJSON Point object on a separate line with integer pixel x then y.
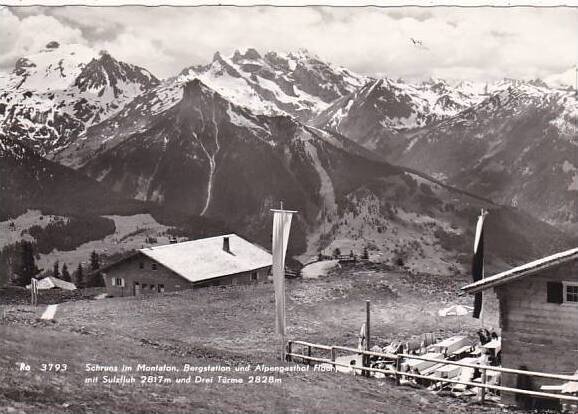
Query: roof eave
{"type": "Point", "coordinates": [475, 288]}
{"type": "Point", "coordinates": [490, 282]}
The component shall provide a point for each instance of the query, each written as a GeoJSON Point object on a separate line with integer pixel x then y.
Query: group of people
{"type": "Point", "coordinates": [486, 336]}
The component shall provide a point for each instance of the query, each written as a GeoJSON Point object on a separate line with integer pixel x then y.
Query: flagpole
{"type": "Point", "coordinates": [281, 229]}
{"type": "Point", "coordinates": [478, 264]}
{"type": "Point", "coordinates": [482, 313]}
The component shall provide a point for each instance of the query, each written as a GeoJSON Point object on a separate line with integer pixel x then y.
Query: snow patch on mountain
{"type": "Point", "coordinates": [396, 106]}
{"type": "Point", "coordinates": [52, 96]}
{"type": "Point", "coordinates": [297, 84]}
{"type": "Point", "coordinates": [244, 121]}
{"type": "Point", "coordinates": [236, 89]}
{"type": "Point", "coordinates": [51, 68]}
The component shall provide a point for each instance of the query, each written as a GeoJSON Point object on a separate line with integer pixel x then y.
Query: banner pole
{"type": "Point", "coordinates": [284, 298]}
{"type": "Point", "coordinates": [281, 230]}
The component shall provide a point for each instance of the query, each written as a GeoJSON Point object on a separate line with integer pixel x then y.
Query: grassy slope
{"type": "Point", "coordinates": [224, 326]}
{"type": "Point", "coordinates": [22, 222]}
{"type": "Point", "coordinates": [131, 233]}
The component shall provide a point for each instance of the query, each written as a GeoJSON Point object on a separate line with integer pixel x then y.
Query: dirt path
{"type": "Point", "coordinates": [49, 312]}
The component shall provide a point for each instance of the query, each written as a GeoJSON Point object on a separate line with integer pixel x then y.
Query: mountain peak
{"type": "Point", "coordinates": [53, 95]}
{"type": "Point", "coordinates": [303, 53]}
{"type": "Point", "coordinates": [193, 90]}
{"type": "Point", "coordinates": [249, 53]}
{"type": "Point", "coordinates": [105, 71]}
{"type": "Point", "coordinates": [538, 82]}
{"type": "Point", "coordinates": [52, 45]}
{"type": "Point", "coordinates": [52, 68]}
{"type": "Point", "coordinates": [217, 57]}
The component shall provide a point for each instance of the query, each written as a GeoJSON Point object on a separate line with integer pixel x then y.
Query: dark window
{"type": "Point", "coordinates": [144, 286]}
{"type": "Point", "coordinates": [141, 265]}
{"type": "Point", "coordinates": [555, 292]}
{"type": "Point", "coordinates": [154, 266]}
{"type": "Point", "coordinates": [253, 275]}
{"type": "Point", "coordinates": [153, 287]}
{"type": "Point", "coordinates": [118, 281]}
{"type": "Point", "coordinates": [161, 288]}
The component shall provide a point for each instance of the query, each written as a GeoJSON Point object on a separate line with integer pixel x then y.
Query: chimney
{"type": "Point", "coordinates": [226, 244]}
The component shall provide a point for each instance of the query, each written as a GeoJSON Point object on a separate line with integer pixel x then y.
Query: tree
{"type": "Point", "coordinates": [65, 275]}
{"type": "Point", "coordinates": [79, 277]}
{"type": "Point", "coordinates": [27, 268]}
{"type": "Point", "coordinates": [55, 271]}
{"type": "Point", "coordinates": [95, 279]}
{"type": "Point", "coordinates": [94, 261]}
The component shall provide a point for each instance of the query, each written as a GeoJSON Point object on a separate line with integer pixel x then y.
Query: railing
{"type": "Point", "coordinates": [398, 373]}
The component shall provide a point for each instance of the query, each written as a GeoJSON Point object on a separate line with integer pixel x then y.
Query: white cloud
{"type": "Point", "coordinates": [469, 43]}
{"type": "Point", "coordinates": [20, 37]}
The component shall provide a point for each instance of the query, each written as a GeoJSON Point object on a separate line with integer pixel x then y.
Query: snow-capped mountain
{"type": "Point", "coordinates": [374, 115]}
{"type": "Point", "coordinates": [52, 96]}
{"type": "Point", "coordinates": [507, 141]}
{"type": "Point", "coordinates": [185, 146]}
{"type": "Point", "coordinates": [229, 140]}
{"type": "Point", "coordinates": [53, 68]}
{"type": "Point", "coordinates": [299, 84]}
{"type": "Point", "coordinates": [189, 124]}
{"type": "Point", "coordinates": [517, 147]}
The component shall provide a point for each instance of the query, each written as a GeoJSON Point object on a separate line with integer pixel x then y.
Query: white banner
{"type": "Point", "coordinates": [479, 228]}
{"type": "Point", "coordinates": [281, 228]}
{"type": "Point", "coordinates": [478, 262]}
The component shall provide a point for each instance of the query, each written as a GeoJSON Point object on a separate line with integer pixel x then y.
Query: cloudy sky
{"type": "Point", "coordinates": [458, 43]}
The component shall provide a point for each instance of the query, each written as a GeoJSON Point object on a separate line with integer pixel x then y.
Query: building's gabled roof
{"type": "Point", "coordinates": [522, 271]}
{"type": "Point", "coordinates": [205, 259]}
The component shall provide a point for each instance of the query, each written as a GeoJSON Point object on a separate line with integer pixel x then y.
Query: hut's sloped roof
{"type": "Point", "coordinates": [51, 282]}
{"type": "Point", "coordinates": [522, 271]}
{"type": "Point", "coordinates": [205, 259]}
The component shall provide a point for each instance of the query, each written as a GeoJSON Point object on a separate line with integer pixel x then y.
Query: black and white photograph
{"type": "Point", "coordinates": [288, 207]}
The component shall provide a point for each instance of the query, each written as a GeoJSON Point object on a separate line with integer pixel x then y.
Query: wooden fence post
{"type": "Point", "coordinates": [397, 369]}
{"type": "Point", "coordinates": [365, 359]}
{"type": "Point", "coordinates": [483, 388]}
{"type": "Point", "coordinates": [333, 358]}
{"type": "Point", "coordinates": [367, 325]}
{"type": "Point", "coordinates": [289, 351]}
{"type": "Point", "coordinates": [34, 291]}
